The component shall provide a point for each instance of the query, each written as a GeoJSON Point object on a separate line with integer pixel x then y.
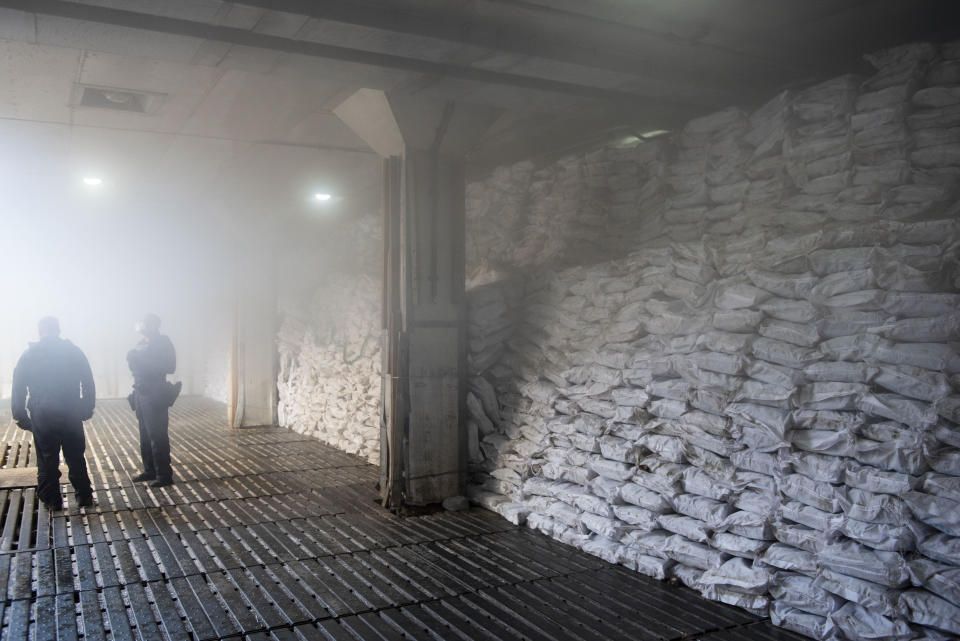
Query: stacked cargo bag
{"type": "Point", "coordinates": [329, 375]}
{"type": "Point", "coordinates": [919, 359]}
{"type": "Point", "coordinates": [328, 342]}
{"type": "Point", "coordinates": [495, 211]}
{"type": "Point", "coordinates": [635, 184]}
{"type": "Point", "coordinates": [762, 398]}
{"type": "Point", "coordinates": [524, 217]}
{"type": "Point", "coordinates": [706, 178]}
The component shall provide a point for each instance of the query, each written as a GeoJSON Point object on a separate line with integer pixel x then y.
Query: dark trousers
{"type": "Point", "coordinates": [50, 435]}
{"type": "Point", "coordinates": [154, 422]}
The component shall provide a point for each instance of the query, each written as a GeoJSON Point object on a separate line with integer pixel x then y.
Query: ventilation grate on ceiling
{"type": "Point", "coordinates": [117, 99]}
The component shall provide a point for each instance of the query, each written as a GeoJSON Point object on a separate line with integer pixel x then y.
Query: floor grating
{"type": "Point", "coordinates": [271, 536]}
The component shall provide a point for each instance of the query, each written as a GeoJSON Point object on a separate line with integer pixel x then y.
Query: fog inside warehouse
{"type": "Point", "coordinates": [724, 355]}
{"type": "Point", "coordinates": [171, 225]}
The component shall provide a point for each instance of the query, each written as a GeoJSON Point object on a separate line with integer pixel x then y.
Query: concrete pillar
{"type": "Point", "coordinates": [433, 216]}
{"type": "Point", "coordinates": [253, 367]}
{"type": "Point", "coordinates": [424, 439]}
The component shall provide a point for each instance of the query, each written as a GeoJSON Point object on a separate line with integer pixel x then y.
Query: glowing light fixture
{"type": "Point", "coordinates": [628, 141]}
{"type": "Point", "coordinates": [653, 134]}
{"type": "Point", "coordinates": [322, 197]}
{"type": "Point", "coordinates": [92, 181]}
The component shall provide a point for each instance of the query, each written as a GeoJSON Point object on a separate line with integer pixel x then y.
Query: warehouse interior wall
{"type": "Point", "coordinates": [729, 355]}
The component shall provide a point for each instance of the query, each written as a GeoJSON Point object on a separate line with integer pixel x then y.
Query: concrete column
{"type": "Point", "coordinates": [433, 218]}
{"type": "Point", "coordinates": [424, 438]}
{"type": "Point", "coordinates": [253, 368]}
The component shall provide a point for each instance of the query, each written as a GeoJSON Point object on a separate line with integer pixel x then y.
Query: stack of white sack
{"type": "Point", "coordinates": [524, 218]}
{"type": "Point", "coordinates": [329, 378]}
{"type": "Point", "coordinates": [767, 408]}
{"type": "Point", "coordinates": [495, 212]}
{"type": "Point", "coordinates": [635, 184]}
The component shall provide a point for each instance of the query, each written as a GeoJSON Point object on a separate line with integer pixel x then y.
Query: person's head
{"type": "Point", "coordinates": [48, 327]}
{"type": "Point", "coordinates": [149, 325]}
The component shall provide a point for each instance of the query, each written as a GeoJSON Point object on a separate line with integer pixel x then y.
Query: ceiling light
{"type": "Point", "coordinates": [322, 197]}
{"type": "Point", "coordinates": [119, 97]}
{"type": "Point", "coordinates": [92, 181]}
{"type": "Point", "coordinates": [627, 141]}
{"type": "Point", "coordinates": [654, 133]}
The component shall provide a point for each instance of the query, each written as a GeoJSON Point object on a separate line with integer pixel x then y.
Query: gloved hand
{"type": "Point", "coordinates": [86, 414]}
{"type": "Point", "coordinates": [23, 422]}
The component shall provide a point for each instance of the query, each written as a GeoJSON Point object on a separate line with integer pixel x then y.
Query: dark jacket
{"type": "Point", "coordinates": [57, 376]}
{"type": "Point", "coordinates": [150, 362]}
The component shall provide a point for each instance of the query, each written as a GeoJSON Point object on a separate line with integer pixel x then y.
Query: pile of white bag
{"type": "Point", "coordinates": [522, 217]}
{"type": "Point", "coordinates": [763, 400]}
{"type": "Point", "coordinates": [329, 338]}
{"type": "Point", "coordinates": [329, 378]}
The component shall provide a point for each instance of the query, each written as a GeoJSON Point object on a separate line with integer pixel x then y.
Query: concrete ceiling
{"type": "Point", "coordinates": [233, 78]}
{"type": "Point", "coordinates": [240, 96]}
{"type": "Point", "coordinates": [226, 129]}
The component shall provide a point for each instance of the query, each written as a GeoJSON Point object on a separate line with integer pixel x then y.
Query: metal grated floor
{"type": "Point", "coordinates": [268, 535]}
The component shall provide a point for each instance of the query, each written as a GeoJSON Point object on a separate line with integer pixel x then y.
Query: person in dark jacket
{"type": "Point", "coordinates": [150, 362]}
{"type": "Point", "coordinates": [56, 376]}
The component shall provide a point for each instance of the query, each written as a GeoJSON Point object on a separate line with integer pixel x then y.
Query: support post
{"type": "Point", "coordinates": [423, 437]}
{"type": "Point", "coordinates": [433, 313]}
{"type": "Point", "coordinates": [253, 368]}
{"type": "Point", "coordinates": [393, 389]}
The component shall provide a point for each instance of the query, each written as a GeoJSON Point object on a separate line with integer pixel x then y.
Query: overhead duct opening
{"type": "Point", "coordinates": [118, 99]}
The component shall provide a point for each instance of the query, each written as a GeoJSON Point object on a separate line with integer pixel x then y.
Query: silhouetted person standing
{"type": "Point", "coordinates": [53, 394]}
{"type": "Point", "coordinates": [150, 362]}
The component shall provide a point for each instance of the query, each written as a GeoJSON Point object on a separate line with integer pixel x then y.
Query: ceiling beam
{"type": "Point", "coordinates": [464, 26]}
{"type": "Point", "coordinates": [230, 35]}
{"type": "Point", "coordinates": [511, 32]}
{"type": "Point", "coordinates": [584, 38]}
{"type": "Point", "coordinates": [177, 134]}
{"type": "Point", "coordinates": [836, 33]}
{"type": "Point", "coordinates": [544, 141]}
